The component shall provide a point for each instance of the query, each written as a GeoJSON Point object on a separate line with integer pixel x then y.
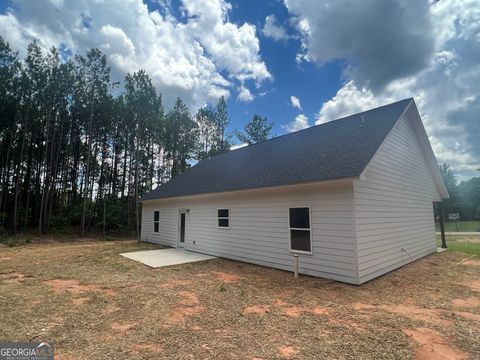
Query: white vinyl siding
{"type": "Point", "coordinates": [259, 227]}
{"type": "Point", "coordinates": [394, 218]}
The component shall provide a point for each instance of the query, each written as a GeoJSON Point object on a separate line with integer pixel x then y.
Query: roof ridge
{"type": "Point", "coordinates": [303, 130]}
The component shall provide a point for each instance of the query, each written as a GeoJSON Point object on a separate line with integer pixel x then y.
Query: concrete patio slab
{"type": "Point", "coordinates": [166, 257]}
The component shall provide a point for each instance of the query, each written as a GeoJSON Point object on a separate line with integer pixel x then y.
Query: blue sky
{"type": "Point", "coordinates": [335, 58]}
{"type": "Point", "coordinates": [310, 83]}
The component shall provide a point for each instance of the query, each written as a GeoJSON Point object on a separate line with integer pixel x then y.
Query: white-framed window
{"type": "Point", "coordinates": [223, 218]}
{"type": "Point", "coordinates": [300, 230]}
{"type": "Point", "coordinates": [156, 221]}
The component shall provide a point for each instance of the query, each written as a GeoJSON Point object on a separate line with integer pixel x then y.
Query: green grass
{"type": "Point", "coordinates": [464, 248]}
{"type": "Point", "coordinates": [467, 226]}
{"type": "Point", "coordinates": [464, 244]}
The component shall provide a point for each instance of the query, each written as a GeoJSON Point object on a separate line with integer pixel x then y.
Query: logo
{"type": "Point", "coordinates": [26, 350]}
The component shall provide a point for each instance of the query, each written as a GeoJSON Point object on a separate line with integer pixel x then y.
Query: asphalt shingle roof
{"type": "Point", "coordinates": [336, 149]}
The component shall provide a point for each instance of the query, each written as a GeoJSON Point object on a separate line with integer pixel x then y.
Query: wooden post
{"type": "Point", "coordinates": [295, 266]}
{"type": "Point", "coordinates": [442, 225]}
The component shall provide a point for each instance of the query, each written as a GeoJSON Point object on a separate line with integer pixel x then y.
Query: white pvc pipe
{"type": "Point", "coordinates": [295, 266]}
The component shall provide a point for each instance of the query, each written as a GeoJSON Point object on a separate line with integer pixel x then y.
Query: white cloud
{"type": "Point", "coordinates": [300, 122]}
{"type": "Point", "coordinates": [445, 88]}
{"type": "Point", "coordinates": [244, 95]}
{"type": "Point", "coordinates": [238, 146]}
{"type": "Point", "coordinates": [295, 102]}
{"type": "Point", "coordinates": [199, 59]}
{"type": "Point", "coordinates": [377, 42]}
{"type": "Point", "coordinates": [234, 48]}
{"type": "Point", "coordinates": [273, 30]}
{"type": "Point", "coordinates": [348, 100]}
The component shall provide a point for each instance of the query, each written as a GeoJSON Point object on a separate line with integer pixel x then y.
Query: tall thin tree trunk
{"type": "Point", "coordinates": [42, 215]}
{"type": "Point", "coordinates": [17, 180]}
{"type": "Point", "coordinates": [137, 219]}
{"type": "Point", "coordinates": [4, 192]}
{"type": "Point", "coordinates": [104, 215]}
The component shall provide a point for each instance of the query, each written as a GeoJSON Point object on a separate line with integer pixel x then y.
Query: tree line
{"type": "Point", "coordinates": [464, 196]}
{"type": "Point", "coordinates": [77, 149]}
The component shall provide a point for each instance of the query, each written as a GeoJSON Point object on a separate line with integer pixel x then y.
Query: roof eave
{"type": "Point", "coordinates": [277, 187]}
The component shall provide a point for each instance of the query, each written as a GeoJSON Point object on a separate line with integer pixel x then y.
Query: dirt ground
{"type": "Point", "coordinates": [95, 304]}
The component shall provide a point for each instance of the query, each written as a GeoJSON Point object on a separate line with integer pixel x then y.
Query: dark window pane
{"type": "Point", "coordinates": [222, 212]}
{"type": "Point", "coordinates": [155, 226]}
{"type": "Point", "coordinates": [182, 227]}
{"type": "Point", "coordinates": [300, 218]}
{"type": "Point", "coordinates": [223, 222]}
{"type": "Point", "coordinates": [156, 215]}
{"type": "Point", "coordinates": [300, 240]}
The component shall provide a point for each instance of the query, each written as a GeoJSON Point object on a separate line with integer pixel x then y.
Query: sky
{"type": "Point", "coordinates": [297, 62]}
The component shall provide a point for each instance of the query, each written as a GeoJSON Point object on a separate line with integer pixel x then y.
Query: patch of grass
{"type": "Point", "coordinates": [121, 267]}
{"type": "Point", "coordinates": [463, 226]}
{"type": "Point", "coordinates": [465, 248]}
{"type": "Point", "coordinates": [15, 240]}
{"type": "Point", "coordinates": [464, 244]}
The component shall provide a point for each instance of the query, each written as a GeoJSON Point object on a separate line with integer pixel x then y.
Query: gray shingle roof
{"type": "Point", "coordinates": [336, 149]}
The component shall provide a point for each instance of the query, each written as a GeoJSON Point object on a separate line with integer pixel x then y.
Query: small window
{"type": "Point", "coordinates": [223, 216]}
{"type": "Point", "coordinates": [300, 232]}
{"type": "Point", "coordinates": [156, 221]}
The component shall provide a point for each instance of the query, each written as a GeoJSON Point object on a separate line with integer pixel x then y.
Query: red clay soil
{"type": "Point", "coordinates": [473, 301]}
{"type": "Point", "coordinates": [81, 301]}
{"type": "Point", "coordinates": [471, 262]}
{"type": "Point", "coordinates": [189, 298]}
{"type": "Point", "coordinates": [473, 284]}
{"type": "Point", "coordinates": [12, 277]}
{"type": "Point", "coordinates": [433, 346]}
{"type": "Point", "coordinates": [180, 314]}
{"type": "Point", "coordinates": [285, 308]}
{"type": "Point", "coordinates": [74, 287]}
{"type": "Point", "coordinates": [433, 316]}
{"type": "Point", "coordinates": [288, 352]}
{"type": "Point", "coordinates": [226, 277]}
{"type": "Point", "coordinates": [122, 327]}
{"type": "Point", "coordinates": [257, 309]}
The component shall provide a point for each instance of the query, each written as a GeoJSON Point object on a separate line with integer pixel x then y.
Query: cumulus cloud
{"type": "Point", "coordinates": [198, 59]}
{"type": "Point", "coordinates": [446, 91]}
{"type": "Point", "coordinates": [295, 102]}
{"type": "Point", "coordinates": [348, 100]}
{"type": "Point", "coordinates": [234, 48]}
{"type": "Point", "coordinates": [238, 146]}
{"type": "Point", "coordinates": [378, 41]}
{"type": "Point", "coordinates": [274, 30]}
{"type": "Point", "coordinates": [300, 122]}
{"type": "Point", "coordinates": [244, 95]}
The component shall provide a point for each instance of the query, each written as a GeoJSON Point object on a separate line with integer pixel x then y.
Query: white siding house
{"type": "Point", "coordinates": [374, 218]}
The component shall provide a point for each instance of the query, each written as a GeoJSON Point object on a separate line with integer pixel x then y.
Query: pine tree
{"type": "Point", "coordinates": [256, 130]}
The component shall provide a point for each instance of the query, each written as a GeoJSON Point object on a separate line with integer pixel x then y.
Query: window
{"type": "Point", "coordinates": [300, 232]}
{"type": "Point", "coordinates": [156, 221]}
{"type": "Point", "coordinates": [223, 218]}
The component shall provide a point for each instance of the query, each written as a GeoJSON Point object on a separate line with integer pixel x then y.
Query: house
{"type": "Point", "coordinates": [352, 197]}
